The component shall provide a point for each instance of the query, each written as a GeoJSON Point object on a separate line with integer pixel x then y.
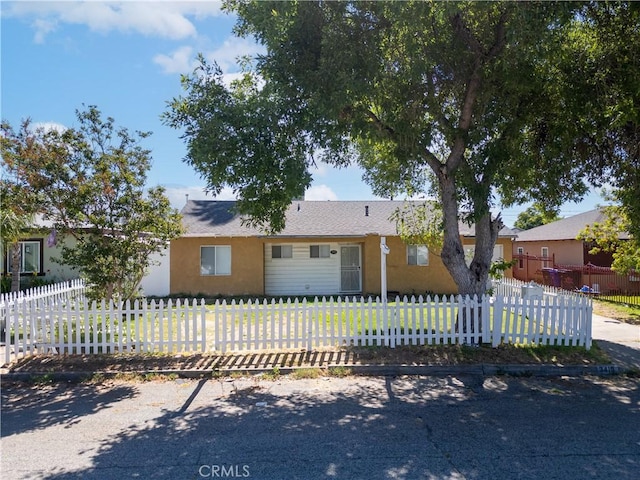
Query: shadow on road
{"type": "Point", "coordinates": [625, 357]}
{"type": "Point", "coordinates": [406, 428]}
{"type": "Point", "coordinates": [27, 408]}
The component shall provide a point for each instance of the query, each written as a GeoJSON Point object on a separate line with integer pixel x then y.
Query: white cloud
{"type": "Point", "coordinates": [48, 126]}
{"type": "Point", "coordinates": [180, 61]}
{"type": "Point", "coordinates": [228, 54]}
{"type": "Point", "coordinates": [166, 19]}
{"type": "Point", "coordinates": [228, 78]}
{"type": "Point", "coordinates": [320, 169]}
{"type": "Point", "coordinates": [320, 192]}
{"type": "Point", "coordinates": [43, 27]}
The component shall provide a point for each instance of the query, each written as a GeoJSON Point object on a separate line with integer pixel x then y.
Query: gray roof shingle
{"type": "Point", "coordinates": [564, 229]}
{"type": "Point", "coordinates": [212, 218]}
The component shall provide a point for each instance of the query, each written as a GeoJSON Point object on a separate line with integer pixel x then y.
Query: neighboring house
{"type": "Point", "coordinates": [326, 248]}
{"type": "Point", "coordinates": [554, 245]}
{"type": "Point", "coordinates": [156, 282]}
{"type": "Point", "coordinates": [37, 251]}
{"type": "Point", "coordinates": [42, 245]}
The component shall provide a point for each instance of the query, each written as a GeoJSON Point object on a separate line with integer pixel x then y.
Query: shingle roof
{"type": "Point", "coordinates": [212, 218]}
{"type": "Point", "coordinates": [564, 229]}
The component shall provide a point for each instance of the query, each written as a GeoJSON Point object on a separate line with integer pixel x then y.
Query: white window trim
{"type": "Point", "coordinates": [23, 245]}
{"type": "Point", "coordinates": [322, 248]}
{"type": "Point", "coordinates": [23, 248]}
{"type": "Point", "coordinates": [281, 247]}
{"type": "Point", "coordinates": [470, 250]}
{"type": "Point", "coordinates": [545, 263]}
{"type": "Point", "coordinates": [417, 264]}
{"type": "Point", "coordinates": [215, 274]}
{"type": "Point", "coordinates": [520, 252]}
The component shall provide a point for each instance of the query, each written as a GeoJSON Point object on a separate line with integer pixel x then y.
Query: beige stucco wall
{"type": "Point", "coordinates": [247, 268]}
{"type": "Point", "coordinates": [413, 279]}
{"type": "Point", "coordinates": [566, 252]}
{"type": "Point", "coordinates": [563, 252]}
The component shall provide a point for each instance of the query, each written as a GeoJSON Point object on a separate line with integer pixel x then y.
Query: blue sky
{"type": "Point", "coordinates": [126, 58]}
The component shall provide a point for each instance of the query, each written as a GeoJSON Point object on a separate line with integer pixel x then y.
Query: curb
{"type": "Point", "coordinates": [485, 370]}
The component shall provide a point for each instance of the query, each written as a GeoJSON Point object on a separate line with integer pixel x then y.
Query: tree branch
{"type": "Point", "coordinates": [474, 83]}
{"type": "Point", "coordinates": [380, 125]}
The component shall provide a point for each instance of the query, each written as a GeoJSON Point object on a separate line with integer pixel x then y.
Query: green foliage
{"type": "Point", "coordinates": [607, 99]}
{"type": "Point", "coordinates": [497, 269]}
{"type": "Point", "coordinates": [241, 137]}
{"type": "Point", "coordinates": [34, 281]}
{"type": "Point", "coordinates": [5, 284]}
{"type": "Point", "coordinates": [306, 373]}
{"type": "Point", "coordinates": [477, 98]}
{"type": "Point", "coordinates": [612, 236]}
{"type": "Point", "coordinates": [92, 184]}
{"type": "Point", "coordinates": [18, 202]}
{"type": "Point", "coordinates": [273, 374]}
{"type": "Point", "coordinates": [420, 224]}
{"type": "Point", "coordinates": [340, 371]}
{"type": "Point", "coordinates": [536, 215]}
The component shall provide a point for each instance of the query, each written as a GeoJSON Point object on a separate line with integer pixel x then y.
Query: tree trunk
{"type": "Point", "coordinates": [15, 267]}
{"type": "Point", "coordinates": [452, 251]}
{"type": "Point", "coordinates": [471, 280]}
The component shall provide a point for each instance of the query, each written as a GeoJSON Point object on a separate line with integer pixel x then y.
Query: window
{"type": "Point", "coordinates": [281, 251]}
{"type": "Point", "coordinates": [520, 257]}
{"type": "Point", "coordinates": [319, 251]}
{"type": "Point", "coordinates": [470, 251]}
{"type": "Point", "coordinates": [215, 260]}
{"type": "Point", "coordinates": [417, 255]}
{"type": "Point", "coordinates": [544, 253]}
{"type": "Point", "coordinates": [30, 257]}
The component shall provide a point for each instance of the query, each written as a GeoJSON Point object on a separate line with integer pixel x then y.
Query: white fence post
{"type": "Point", "coordinates": [496, 328]}
{"type": "Point", "coordinates": [59, 319]}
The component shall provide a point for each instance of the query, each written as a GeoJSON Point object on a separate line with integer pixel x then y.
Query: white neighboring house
{"type": "Point", "coordinates": [156, 282]}
{"type": "Point", "coordinates": [42, 244]}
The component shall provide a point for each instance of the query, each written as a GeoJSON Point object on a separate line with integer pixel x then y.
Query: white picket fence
{"type": "Point", "coordinates": [513, 287]}
{"type": "Point", "coordinates": [56, 292]}
{"type": "Point", "coordinates": [68, 323]}
{"type": "Point", "coordinates": [408, 321]}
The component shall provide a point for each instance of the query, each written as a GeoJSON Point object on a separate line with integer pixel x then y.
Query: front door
{"type": "Point", "coordinates": [350, 272]}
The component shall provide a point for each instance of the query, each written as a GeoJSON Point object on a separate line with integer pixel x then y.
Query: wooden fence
{"type": "Point", "coordinates": [73, 325]}
{"type": "Point", "coordinates": [56, 292]}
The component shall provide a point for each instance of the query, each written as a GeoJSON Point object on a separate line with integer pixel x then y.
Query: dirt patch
{"type": "Point", "coordinates": [617, 312]}
{"type": "Point", "coordinates": [406, 355]}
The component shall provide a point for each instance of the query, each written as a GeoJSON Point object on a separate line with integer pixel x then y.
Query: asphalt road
{"type": "Point", "coordinates": [354, 428]}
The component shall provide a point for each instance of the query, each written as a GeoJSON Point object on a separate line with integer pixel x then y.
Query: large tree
{"type": "Point", "coordinates": [608, 67]}
{"type": "Point", "coordinates": [612, 236]}
{"type": "Point", "coordinates": [91, 181]}
{"type": "Point", "coordinates": [609, 40]}
{"type": "Point", "coordinates": [475, 96]}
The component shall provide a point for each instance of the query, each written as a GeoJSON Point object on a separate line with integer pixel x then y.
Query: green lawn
{"type": "Point", "coordinates": [260, 326]}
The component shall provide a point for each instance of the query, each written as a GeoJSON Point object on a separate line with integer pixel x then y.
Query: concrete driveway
{"type": "Point", "coordinates": [352, 428]}
{"type": "Point", "coordinates": [621, 340]}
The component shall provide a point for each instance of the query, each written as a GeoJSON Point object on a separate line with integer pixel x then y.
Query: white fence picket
{"type": "Point", "coordinates": [65, 322]}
